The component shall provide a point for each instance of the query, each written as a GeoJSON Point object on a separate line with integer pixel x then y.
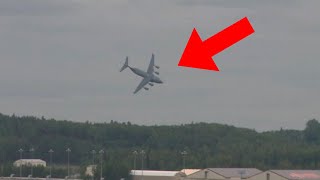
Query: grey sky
{"type": "Point", "coordinates": [60, 59]}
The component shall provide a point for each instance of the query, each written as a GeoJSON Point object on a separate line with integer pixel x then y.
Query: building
{"type": "Point", "coordinates": [90, 170]}
{"type": "Point", "coordinates": [156, 175]}
{"type": "Point", "coordinates": [223, 173]}
{"type": "Point", "coordinates": [288, 175]}
{"type": "Point", "coordinates": [29, 162]}
{"type": "Point", "coordinates": [189, 171]}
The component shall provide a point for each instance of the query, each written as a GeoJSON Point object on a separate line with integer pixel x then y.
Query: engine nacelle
{"type": "Point", "coordinates": [156, 66]}
{"type": "Point", "coordinates": [150, 84]}
{"type": "Point", "coordinates": [156, 72]}
{"type": "Point", "coordinates": [146, 88]}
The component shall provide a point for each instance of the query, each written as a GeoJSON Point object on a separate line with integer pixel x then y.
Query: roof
{"type": "Point", "coordinates": [189, 171]}
{"type": "Point", "coordinates": [298, 174]}
{"type": "Point", "coordinates": [154, 173]}
{"type": "Point", "coordinates": [236, 172]}
{"type": "Point", "coordinates": [31, 160]}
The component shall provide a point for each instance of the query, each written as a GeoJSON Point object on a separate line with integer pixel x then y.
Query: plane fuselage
{"type": "Point", "coordinates": [144, 74]}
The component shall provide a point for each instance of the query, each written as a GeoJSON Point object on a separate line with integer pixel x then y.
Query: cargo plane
{"type": "Point", "coordinates": [149, 78]}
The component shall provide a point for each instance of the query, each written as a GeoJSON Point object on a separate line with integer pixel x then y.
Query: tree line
{"type": "Point", "coordinates": [206, 144]}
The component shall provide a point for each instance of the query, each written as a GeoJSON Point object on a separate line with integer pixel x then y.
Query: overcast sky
{"type": "Point", "coordinates": [61, 59]}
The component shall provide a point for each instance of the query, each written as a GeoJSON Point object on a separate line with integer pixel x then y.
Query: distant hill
{"type": "Point", "coordinates": [207, 144]}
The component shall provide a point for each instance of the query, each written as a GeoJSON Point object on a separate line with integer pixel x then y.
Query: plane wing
{"type": "Point", "coordinates": [142, 84]}
{"type": "Point", "coordinates": [151, 65]}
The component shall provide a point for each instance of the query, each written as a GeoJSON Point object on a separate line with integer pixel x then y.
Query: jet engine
{"type": "Point", "coordinates": [146, 88]}
{"type": "Point", "coordinates": [150, 84]}
{"type": "Point", "coordinates": [156, 72]}
{"type": "Point", "coordinates": [156, 66]}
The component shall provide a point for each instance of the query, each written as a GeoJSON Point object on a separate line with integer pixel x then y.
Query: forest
{"type": "Point", "coordinates": [206, 144]}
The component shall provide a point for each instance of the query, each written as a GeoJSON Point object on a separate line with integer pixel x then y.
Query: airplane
{"type": "Point", "coordinates": [149, 78]}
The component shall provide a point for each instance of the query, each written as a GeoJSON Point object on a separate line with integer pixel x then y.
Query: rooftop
{"type": "Point", "coordinates": [236, 172]}
{"type": "Point", "coordinates": [30, 160]}
{"type": "Point", "coordinates": [298, 174]}
{"type": "Point", "coordinates": [189, 171]}
{"type": "Point", "coordinates": [154, 173]}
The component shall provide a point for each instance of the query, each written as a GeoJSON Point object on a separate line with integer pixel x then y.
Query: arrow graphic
{"type": "Point", "coordinates": [198, 53]}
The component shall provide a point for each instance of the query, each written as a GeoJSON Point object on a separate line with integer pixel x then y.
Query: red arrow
{"type": "Point", "coordinates": [197, 54]}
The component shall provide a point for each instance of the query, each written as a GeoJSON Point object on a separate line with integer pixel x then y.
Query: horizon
{"type": "Point", "coordinates": [150, 125]}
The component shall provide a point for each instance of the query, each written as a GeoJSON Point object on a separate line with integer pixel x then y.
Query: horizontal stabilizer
{"type": "Point", "coordinates": [126, 64]}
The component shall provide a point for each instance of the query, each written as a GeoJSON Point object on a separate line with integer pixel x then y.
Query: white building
{"type": "Point", "coordinates": [288, 175]}
{"type": "Point", "coordinates": [156, 175]}
{"type": "Point", "coordinates": [90, 170]}
{"type": "Point", "coordinates": [189, 171]}
{"type": "Point", "coordinates": [29, 162]}
{"type": "Point", "coordinates": [223, 173]}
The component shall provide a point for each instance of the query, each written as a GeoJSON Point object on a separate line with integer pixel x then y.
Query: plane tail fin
{"type": "Point", "coordinates": [125, 65]}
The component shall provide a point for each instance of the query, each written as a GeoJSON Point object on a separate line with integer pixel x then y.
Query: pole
{"type": "Point", "coordinates": [101, 154]}
{"type": "Point", "coordinates": [20, 150]}
{"type": "Point", "coordinates": [31, 151]}
{"type": "Point", "coordinates": [68, 151]}
{"type": "Point", "coordinates": [93, 166]}
{"type": "Point", "coordinates": [142, 154]}
{"type": "Point", "coordinates": [68, 166]}
{"type": "Point", "coordinates": [134, 161]}
{"type": "Point", "coordinates": [50, 152]}
{"type": "Point", "coordinates": [184, 154]}
{"type": "Point", "coordinates": [93, 153]}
